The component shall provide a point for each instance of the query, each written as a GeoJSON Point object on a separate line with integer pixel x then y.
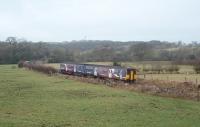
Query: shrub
{"type": "Point", "coordinates": [157, 69]}
{"type": "Point", "coordinates": [20, 64]}
{"type": "Point", "coordinates": [172, 69]}
{"type": "Point", "coordinates": [197, 68]}
{"type": "Point", "coordinates": [40, 68]}
{"type": "Point", "coordinates": [116, 64]}
{"type": "Point", "coordinates": [146, 69]}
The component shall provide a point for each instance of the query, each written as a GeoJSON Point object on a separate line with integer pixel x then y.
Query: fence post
{"type": "Point", "coordinates": [196, 81]}
{"type": "Point", "coordinates": [198, 93]}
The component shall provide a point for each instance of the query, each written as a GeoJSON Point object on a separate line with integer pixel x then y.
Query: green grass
{"type": "Point", "coordinates": [31, 99]}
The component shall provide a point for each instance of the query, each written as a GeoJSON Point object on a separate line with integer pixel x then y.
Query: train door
{"type": "Point", "coordinates": [95, 71]}
{"type": "Point", "coordinates": [130, 75]}
{"type": "Point", "coordinates": [74, 68]}
{"type": "Point", "coordinates": [134, 75]}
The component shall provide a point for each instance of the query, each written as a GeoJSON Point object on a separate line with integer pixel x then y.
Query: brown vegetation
{"type": "Point", "coordinates": [38, 67]}
{"type": "Point", "coordinates": [185, 90]}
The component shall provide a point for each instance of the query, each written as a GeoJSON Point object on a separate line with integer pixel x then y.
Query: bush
{"type": "Point", "coordinates": [146, 69]}
{"type": "Point", "coordinates": [116, 64]}
{"type": "Point", "coordinates": [40, 68]}
{"type": "Point", "coordinates": [172, 69]}
{"type": "Point", "coordinates": [20, 64]}
{"type": "Point", "coordinates": [197, 68]}
{"type": "Point", "coordinates": [157, 69]}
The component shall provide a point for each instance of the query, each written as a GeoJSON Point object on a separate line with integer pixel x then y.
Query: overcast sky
{"type": "Point", "coordinates": [123, 20]}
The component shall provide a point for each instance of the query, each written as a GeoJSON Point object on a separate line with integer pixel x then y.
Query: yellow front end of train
{"type": "Point", "coordinates": [131, 75]}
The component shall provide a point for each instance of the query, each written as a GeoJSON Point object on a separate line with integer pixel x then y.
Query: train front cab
{"type": "Point", "coordinates": [131, 75]}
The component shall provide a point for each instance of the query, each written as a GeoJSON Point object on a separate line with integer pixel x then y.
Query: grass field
{"type": "Point", "coordinates": [31, 99]}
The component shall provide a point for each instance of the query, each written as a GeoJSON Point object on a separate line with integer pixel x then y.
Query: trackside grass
{"type": "Point", "coordinates": [32, 99]}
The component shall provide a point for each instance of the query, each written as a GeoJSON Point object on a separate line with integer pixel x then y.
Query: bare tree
{"type": "Point", "coordinates": [11, 40]}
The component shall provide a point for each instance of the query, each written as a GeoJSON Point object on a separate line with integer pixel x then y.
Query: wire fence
{"type": "Point", "coordinates": [192, 78]}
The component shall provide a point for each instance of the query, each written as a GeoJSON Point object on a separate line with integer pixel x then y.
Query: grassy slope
{"type": "Point", "coordinates": [33, 99]}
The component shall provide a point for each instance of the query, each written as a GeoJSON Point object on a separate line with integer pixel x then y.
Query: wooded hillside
{"type": "Point", "coordinates": [13, 50]}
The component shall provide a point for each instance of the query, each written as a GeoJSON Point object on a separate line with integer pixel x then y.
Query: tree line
{"type": "Point", "coordinates": [12, 50]}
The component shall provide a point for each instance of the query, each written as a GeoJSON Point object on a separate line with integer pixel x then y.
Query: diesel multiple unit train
{"type": "Point", "coordinates": [99, 71]}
